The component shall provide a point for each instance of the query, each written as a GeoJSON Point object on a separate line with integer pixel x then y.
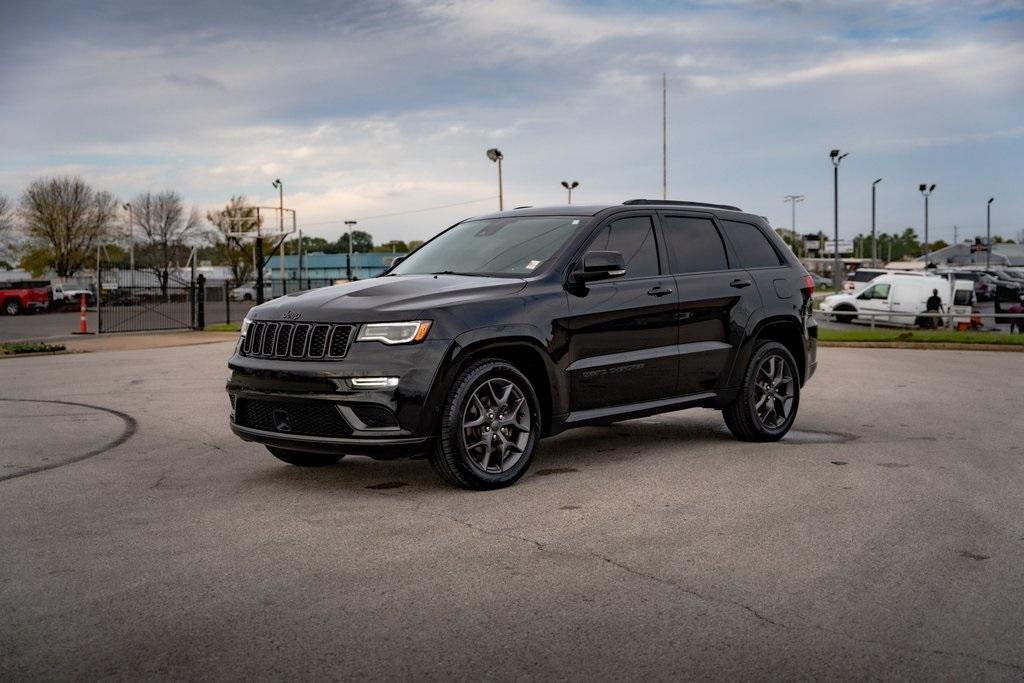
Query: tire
{"type": "Point", "coordinates": [478, 394]}
{"type": "Point", "coordinates": [12, 307]}
{"type": "Point", "coordinates": [747, 417]}
{"type": "Point", "coordinates": [247, 297]}
{"type": "Point", "coordinates": [304, 458]}
{"type": "Point", "coordinates": [844, 315]}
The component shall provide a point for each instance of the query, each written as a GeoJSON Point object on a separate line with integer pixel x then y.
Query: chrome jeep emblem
{"type": "Point", "coordinates": [292, 315]}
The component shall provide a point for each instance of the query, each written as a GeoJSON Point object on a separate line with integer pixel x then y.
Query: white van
{"type": "Point", "coordinates": [899, 299]}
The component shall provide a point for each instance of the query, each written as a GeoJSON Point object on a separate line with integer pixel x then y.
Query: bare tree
{"type": "Point", "coordinates": [6, 232]}
{"type": "Point", "coordinates": [167, 229]}
{"type": "Point", "coordinates": [64, 219]}
{"type": "Point", "coordinates": [237, 216]}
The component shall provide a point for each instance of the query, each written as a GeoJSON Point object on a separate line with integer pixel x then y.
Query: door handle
{"type": "Point", "coordinates": [659, 291]}
{"type": "Point", "coordinates": [740, 284]}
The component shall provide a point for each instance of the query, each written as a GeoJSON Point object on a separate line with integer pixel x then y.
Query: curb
{"type": "Point", "coordinates": [928, 346]}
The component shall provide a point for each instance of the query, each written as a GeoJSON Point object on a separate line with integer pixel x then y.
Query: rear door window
{"type": "Point", "coordinates": [751, 246]}
{"type": "Point", "coordinates": [693, 245]}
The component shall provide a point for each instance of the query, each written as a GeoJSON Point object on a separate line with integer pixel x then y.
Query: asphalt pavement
{"type": "Point", "coordinates": [883, 539]}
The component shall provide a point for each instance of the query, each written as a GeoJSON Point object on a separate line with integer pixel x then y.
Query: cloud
{"type": "Point", "coordinates": [367, 108]}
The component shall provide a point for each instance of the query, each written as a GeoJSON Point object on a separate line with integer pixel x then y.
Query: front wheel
{"type": "Point", "coordinates": [12, 307]}
{"type": "Point", "coordinates": [304, 458]}
{"type": "Point", "coordinates": [766, 406]}
{"type": "Point", "coordinates": [489, 428]}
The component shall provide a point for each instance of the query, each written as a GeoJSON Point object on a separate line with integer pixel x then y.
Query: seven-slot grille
{"type": "Point", "coordinates": [297, 341]}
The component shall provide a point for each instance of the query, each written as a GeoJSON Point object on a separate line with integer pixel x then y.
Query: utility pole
{"type": "Point", "coordinates": [837, 266]}
{"type": "Point", "coordinates": [664, 136]}
{"type": "Point", "coordinates": [348, 262]}
{"type": "Point", "coordinates": [874, 238]}
{"type": "Point", "coordinates": [793, 199]}
{"type": "Point", "coordinates": [956, 234]}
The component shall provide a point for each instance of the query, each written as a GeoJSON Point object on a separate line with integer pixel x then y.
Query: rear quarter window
{"type": "Point", "coordinates": [752, 248]}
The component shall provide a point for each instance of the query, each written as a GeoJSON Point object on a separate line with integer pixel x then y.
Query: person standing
{"type": "Point", "coordinates": [1017, 321]}
{"type": "Point", "coordinates": [933, 307]}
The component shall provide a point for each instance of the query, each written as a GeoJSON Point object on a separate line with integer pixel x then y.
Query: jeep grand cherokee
{"type": "Point", "coordinates": [514, 326]}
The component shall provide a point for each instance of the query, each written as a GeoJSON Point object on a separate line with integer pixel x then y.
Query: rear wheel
{"type": "Point", "coordinates": [304, 458]}
{"type": "Point", "coordinates": [489, 428]}
{"type": "Point", "coordinates": [844, 314]}
{"type": "Point", "coordinates": [766, 406]}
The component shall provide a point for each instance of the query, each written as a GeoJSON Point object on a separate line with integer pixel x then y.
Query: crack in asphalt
{"type": "Point", "coordinates": [539, 545]}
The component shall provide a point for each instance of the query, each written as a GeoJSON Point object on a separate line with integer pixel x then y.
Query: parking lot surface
{"type": "Point", "coordinates": [883, 539]}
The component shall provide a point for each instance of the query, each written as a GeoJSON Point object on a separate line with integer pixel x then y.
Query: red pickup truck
{"type": "Point", "coordinates": [25, 296]}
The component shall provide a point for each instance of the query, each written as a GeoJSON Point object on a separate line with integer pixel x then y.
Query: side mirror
{"type": "Point", "coordinates": [600, 265]}
{"type": "Point", "coordinates": [397, 260]}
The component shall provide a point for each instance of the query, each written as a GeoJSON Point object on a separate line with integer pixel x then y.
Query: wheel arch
{"type": "Point", "coordinates": [525, 352]}
{"type": "Point", "coordinates": [785, 330]}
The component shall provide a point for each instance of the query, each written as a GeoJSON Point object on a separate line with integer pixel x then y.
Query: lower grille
{"type": "Point", "coordinates": [301, 418]}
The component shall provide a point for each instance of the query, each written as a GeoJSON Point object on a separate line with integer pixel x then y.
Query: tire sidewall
{"type": "Point", "coordinates": [452, 425]}
{"type": "Point", "coordinates": [763, 351]}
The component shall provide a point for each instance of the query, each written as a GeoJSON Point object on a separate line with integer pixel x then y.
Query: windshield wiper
{"type": "Point", "coordinates": [454, 272]}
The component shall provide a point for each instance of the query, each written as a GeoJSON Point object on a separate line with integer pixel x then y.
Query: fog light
{"type": "Point", "coordinates": [372, 382]}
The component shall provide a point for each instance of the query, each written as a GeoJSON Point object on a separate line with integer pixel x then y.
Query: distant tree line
{"type": "Point", "coordinates": [61, 224]}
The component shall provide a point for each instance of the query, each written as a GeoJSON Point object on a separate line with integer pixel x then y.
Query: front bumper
{"type": "Point", "coordinates": [310, 406]}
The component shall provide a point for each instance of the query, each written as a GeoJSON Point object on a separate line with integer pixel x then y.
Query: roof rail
{"type": "Point", "coordinates": [673, 202]}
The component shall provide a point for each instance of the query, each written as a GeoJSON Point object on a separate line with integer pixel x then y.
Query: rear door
{"type": "Point", "coordinates": [622, 332]}
{"type": "Point", "coordinates": [716, 297]}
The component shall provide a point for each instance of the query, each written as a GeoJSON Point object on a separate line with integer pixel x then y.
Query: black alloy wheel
{"type": "Point", "coordinates": [769, 398]}
{"type": "Point", "coordinates": [489, 428]}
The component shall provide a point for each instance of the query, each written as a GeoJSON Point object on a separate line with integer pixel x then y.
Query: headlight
{"type": "Point", "coordinates": [395, 333]}
{"type": "Point", "coordinates": [245, 326]}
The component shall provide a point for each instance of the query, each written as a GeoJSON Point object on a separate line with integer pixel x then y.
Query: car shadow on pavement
{"type": "Point", "coordinates": [622, 442]}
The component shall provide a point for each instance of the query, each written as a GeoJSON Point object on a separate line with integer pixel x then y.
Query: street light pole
{"type": "Point", "coordinates": [926, 192]}
{"type": "Point", "coordinates": [874, 238]}
{"type": "Point", "coordinates": [837, 266]}
{"type": "Point", "coordinates": [495, 155]}
{"type": "Point", "coordinates": [570, 185]}
{"type": "Point", "coordinates": [348, 262]}
{"type": "Point", "coordinates": [793, 199]}
{"type": "Point", "coordinates": [280, 215]}
{"type": "Point", "coordinates": [988, 232]}
{"type": "Point", "coordinates": [131, 243]}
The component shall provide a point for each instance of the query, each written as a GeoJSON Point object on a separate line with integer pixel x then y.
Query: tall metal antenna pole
{"type": "Point", "coordinates": [664, 137]}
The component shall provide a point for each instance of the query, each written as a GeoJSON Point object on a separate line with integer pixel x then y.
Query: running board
{"type": "Point", "coordinates": [660, 405]}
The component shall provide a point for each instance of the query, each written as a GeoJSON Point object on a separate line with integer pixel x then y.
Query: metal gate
{"type": "Point", "coordinates": [142, 300]}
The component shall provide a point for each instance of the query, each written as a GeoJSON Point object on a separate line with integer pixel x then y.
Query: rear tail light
{"type": "Point", "coordinates": [809, 284]}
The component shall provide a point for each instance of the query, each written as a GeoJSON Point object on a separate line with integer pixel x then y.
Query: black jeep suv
{"type": "Point", "coordinates": [510, 327]}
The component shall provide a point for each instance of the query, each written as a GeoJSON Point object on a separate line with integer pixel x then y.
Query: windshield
{"type": "Point", "coordinates": [517, 246]}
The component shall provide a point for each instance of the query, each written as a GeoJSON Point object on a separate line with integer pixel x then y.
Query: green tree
{"type": "Point", "coordinates": [64, 220]}
{"type": "Point", "coordinates": [415, 244]}
{"type": "Point", "coordinates": [361, 242]}
{"type": "Point", "coordinates": [397, 246]}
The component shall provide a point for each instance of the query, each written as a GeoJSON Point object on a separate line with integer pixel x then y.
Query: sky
{"type": "Point", "coordinates": [369, 109]}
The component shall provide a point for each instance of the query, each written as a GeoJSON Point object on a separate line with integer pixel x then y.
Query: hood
{"type": "Point", "coordinates": [386, 298]}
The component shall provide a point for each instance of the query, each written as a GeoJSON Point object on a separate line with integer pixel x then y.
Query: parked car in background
{"type": "Point", "coordinates": [821, 282]}
{"type": "Point", "coordinates": [899, 299]}
{"type": "Point", "coordinates": [858, 279]}
{"type": "Point", "coordinates": [247, 292]}
{"type": "Point", "coordinates": [25, 296]}
{"type": "Point", "coordinates": [71, 294]}
{"type": "Point", "coordinates": [984, 285]}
